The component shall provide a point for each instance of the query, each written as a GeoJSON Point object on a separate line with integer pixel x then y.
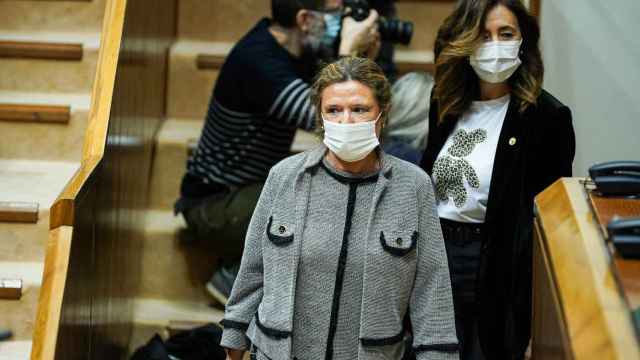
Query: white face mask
{"type": "Point", "coordinates": [351, 142]}
{"type": "Point", "coordinates": [496, 61]}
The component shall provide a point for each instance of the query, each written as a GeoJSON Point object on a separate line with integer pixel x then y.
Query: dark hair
{"type": "Point", "coordinates": [456, 84]}
{"type": "Point", "coordinates": [284, 12]}
{"type": "Point", "coordinates": [363, 70]}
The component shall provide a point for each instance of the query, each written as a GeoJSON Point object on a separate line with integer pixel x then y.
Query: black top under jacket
{"type": "Point", "coordinates": [543, 151]}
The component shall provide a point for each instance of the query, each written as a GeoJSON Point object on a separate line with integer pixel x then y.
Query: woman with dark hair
{"type": "Point", "coordinates": [496, 139]}
{"type": "Point", "coordinates": [344, 243]}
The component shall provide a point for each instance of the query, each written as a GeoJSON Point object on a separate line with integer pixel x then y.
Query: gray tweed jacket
{"type": "Point", "coordinates": [405, 265]}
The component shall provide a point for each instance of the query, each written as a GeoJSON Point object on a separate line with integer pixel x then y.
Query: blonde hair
{"type": "Point", "coordinates": [358, 69]}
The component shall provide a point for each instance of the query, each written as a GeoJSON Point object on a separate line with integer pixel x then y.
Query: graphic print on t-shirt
{"type": "Point", "coordinates": [451, 170]}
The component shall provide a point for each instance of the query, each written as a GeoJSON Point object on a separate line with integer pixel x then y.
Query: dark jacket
{"type": "Point", "coordinates": [535, 148]}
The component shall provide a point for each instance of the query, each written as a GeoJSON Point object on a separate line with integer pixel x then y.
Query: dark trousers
{"type": "Point", "coordinates": [463, 242]}
{"type": "Point", "coordinates": [224, 218]}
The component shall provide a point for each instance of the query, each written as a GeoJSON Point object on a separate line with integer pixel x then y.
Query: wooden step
{"type": "Point", "coordinates": [194, 67]}
{"type": "Point", "coordinates": [52, 16]}
{"type": "Point", "coordinates": [406, 61]}
{"type": "Point", "coordinates": [10, 289]}
{"type": "Point", "coordinates": [34, 181]}
{"type": "Point", "coordinates": [52, 62]}
{"type": "Point", "coordinates": [37, 182]}
{"type": "Point", "coordinates": [164, 312]}
{"type": "Point", "coordinates": [40, 50]}
{"type": "Point", "coordinates": [18, 211]}
{"type": "Point", "coordinates": [15, 350]}
{"type": "Point", "coordinates": [30, 133]}
{"type": "Point", "coordinates": [19, 316]}
{"type": "Point", "coordinates": [189, 88]}
{"type": "Point", "coordinates": [228, 21]}
{"type": "Point", "coordinates": [172, 270]}
{"type": "Point", "coordinates": [35, 113]}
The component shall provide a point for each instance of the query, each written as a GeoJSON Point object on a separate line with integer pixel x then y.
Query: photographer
{"type": "Point", "coordinates": [260, 98]}
{"type": "Point", "coordinates": [390, 29]}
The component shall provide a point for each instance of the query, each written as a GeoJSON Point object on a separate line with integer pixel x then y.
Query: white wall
{"type": "Point", "coordinates": [591, 51]}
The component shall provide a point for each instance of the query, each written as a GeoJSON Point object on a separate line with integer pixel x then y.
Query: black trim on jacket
{"type": "Point", "coordinates": [342, 263]}
{"type": "Point", "coordinates": [399, 252]}
{"type": "Point", "coordinates": [272, 333]}
{"type": "Point", "coordinates": [383, 341]}
{"type": "Point", "coordinates": [231, 324]}
{"type": "Point", "coordinates": [452, 347]}
{"type": "Point", "coordinates": [277, 240]}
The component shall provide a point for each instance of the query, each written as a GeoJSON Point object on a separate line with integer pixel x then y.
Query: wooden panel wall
{"type": "Point", "coordinates": [550, 340]}
{"type": "Point", "coordinates": [104, 262]}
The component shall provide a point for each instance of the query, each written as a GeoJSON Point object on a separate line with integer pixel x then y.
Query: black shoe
{"type": "Point", "coordinates": [221, 283]}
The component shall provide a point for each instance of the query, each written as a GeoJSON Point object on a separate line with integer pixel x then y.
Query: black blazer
{"type": "Point", "coordinates": [543, 152]}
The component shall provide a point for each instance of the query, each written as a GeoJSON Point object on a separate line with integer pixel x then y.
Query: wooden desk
{"type": "Point", "coordinates": [580, 310]}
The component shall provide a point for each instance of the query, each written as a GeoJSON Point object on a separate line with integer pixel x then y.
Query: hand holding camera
{"type": "Point", "coordinates": [360, 37]}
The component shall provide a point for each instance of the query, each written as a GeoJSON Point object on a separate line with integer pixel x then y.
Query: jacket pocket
{"type": "Point", "coordinates": [279, 233]}
{"type": "Point", "coordinates": [399, 246]}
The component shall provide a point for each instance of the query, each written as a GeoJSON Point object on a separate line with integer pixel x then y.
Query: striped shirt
{"type": "Point", "coordinates": [260, 98]}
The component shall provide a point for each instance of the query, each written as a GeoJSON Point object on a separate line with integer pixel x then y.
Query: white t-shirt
{"type": "Point", "coordinates": [462, 171]}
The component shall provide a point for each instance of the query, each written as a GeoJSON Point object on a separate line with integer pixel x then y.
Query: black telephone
{"type": "Point", "coordinates": [618, 178]}
{"type": "Point", "coordinates": [625, 235]}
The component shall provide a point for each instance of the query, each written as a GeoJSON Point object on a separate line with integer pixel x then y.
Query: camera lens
{"type": "Point", "coordinates": [395, 31]}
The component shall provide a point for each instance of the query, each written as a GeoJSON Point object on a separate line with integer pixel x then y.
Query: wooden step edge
{"type": "Point", "coordinates": [214, 62]}
{"type": "Point", "coordinates": [10, 289]}
{"type": "Point", "coordinates": [15, 211]}
{"type": "Point", "coordinates": [40, 50]}
{"type": "Point", "coordinates": [209, 61]}
{"type": "Point", "coordinates": [35, 113]}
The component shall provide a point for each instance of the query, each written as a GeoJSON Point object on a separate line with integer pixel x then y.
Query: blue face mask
{"type": "Point", "coordinates": [332, 23]}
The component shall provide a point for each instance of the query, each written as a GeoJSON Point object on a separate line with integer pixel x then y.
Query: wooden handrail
{"type": "Point", "coordinates": [62, 212]}
{"type": "Point", "coordinates": [45, 330]}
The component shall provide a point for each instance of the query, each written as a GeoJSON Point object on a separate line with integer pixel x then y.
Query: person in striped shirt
{"type": "Point", "coordinates": [260, 99]}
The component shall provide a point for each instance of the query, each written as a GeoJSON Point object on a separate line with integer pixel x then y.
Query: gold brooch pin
{"type": "Point", "coordinates": [512, 141]}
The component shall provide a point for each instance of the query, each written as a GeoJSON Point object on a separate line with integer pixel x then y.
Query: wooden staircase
{"type": "Point", "coordinates": [48, 56]}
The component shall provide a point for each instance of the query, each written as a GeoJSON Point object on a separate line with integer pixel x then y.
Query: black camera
{"type": "Point", "coordinates": [392, 30]}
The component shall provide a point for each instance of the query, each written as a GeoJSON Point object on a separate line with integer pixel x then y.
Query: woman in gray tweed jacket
{"type": "Point", "coordinates": [344, 242]}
